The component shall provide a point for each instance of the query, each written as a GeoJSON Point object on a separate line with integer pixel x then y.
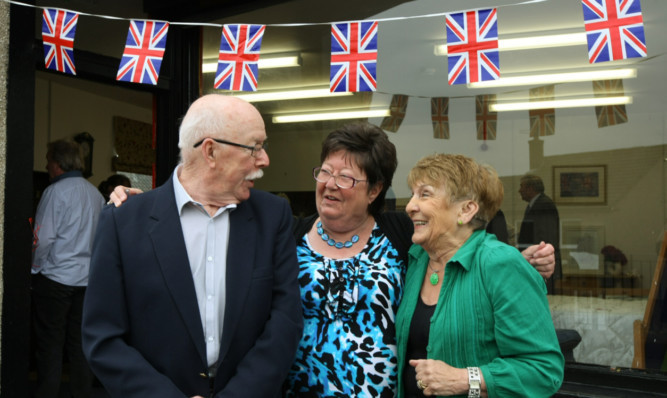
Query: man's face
{"type": "Point", "coordinates": [240, 169]}
{"type": "Point", "coordinates": [525, 192]}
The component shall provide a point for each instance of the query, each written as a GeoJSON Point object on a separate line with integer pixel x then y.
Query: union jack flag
{"type": "Point", "coordinates": [472, 46]}
{"type": "Point", "coordinates": [239, 57]}
{"type": "Point", "coordinates": [58, 30]}
{"type": "Point", "coordinates": [486, 119]}
{"type": "Point", "coordinates": [542, 121]}
{"type": "Point", "coordinates": [440, 117]}
{"type": "Point", "coordinates": [144, 49]}
{"type": "Point", "coordinates": [354, 51]}
{"type": "Point", "coordinates": [397, 109]}
{"type": "Point", "coordinates": [614, 29]}
{"type": "Point", "coordinates": [609, 115]}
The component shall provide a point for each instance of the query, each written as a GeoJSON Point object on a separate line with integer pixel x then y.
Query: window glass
{"type": "Point", "coordinates": [603, 168]}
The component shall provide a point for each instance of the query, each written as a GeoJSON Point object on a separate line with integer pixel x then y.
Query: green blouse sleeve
{"type": "Point", "coordinates": [530, 362]}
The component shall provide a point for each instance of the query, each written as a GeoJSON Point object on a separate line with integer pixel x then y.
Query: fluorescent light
{"type": "Point", "coordinates": [311, 117]}
{"type": "Point", "coordinates": [569, 103]}
{"type": "Point", "coordinates": [291, 94]}
{"type": "Point", "coordinates": [557, 78]}
{"type": "Point", "coordinates": [263, 63]}
{"type": "Point", "coordinates": [523, 43]}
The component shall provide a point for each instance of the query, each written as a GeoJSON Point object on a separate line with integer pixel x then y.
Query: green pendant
{"type": "Point", "coordinates": [434, 279]}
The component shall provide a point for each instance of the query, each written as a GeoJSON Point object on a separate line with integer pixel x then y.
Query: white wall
{"type": "Point", "coordinates": [67, 106]}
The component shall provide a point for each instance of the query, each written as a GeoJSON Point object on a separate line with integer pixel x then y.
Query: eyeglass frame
{"type": "Point", "coordinates": [319, 169]}
{"type": "Point", "coordinates": [253, 149]}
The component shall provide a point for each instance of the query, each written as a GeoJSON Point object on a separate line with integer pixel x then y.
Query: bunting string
{"type": "Point", "coordinates": [431, 15]}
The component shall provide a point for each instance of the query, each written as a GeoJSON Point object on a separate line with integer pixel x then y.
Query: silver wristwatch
{"type": "Point", "coordinates": [474, 382]}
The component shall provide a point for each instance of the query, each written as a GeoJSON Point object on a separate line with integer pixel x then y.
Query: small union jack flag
{"type": "Point", "coordinates": [440, 117]}
{"type": "Point", "coordinates": [609, 115]}
{"type": "Point", "coordinates": [486, 119]}
{"type": "Point", "coordinates": [397, 110]}
{"type": "Point", "coordinates": [144, 49]}
{"type": "Point", "coordinates": [472, 46]}
{"type": "Point", "coordinates": [239, 57]}
{"type": "Point", "coordinates": [614, 30]}
{"type": "Point", "coordinates": [354, 51]}
{"type": "Point", "coordinates": [58, 30]}
{"type": "Point", "coordinates": [542, 121]}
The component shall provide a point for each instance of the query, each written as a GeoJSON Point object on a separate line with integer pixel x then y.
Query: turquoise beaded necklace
{"type": "Point", "coordinates": [331, 242]}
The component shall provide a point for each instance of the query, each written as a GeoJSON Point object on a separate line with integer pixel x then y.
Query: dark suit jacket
{"type": "Point", "coordinates": [142, 332]}
{"type": "Point", "coordinates": [541, 223]}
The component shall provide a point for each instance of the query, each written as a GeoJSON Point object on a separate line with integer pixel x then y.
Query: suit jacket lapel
{"type": "Point", "coordinates": [240, 264]}
{"type": "Point", "coordinates": [169, 245]}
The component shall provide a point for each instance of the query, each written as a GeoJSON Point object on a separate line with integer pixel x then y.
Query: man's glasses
{"type": "Point", "coordinates": [341, 180]}
{"type": "Point", "coordinates": [254, 150]}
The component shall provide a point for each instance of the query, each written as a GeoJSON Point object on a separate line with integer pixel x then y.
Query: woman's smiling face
{"type": "Point", "coordinates": [334, 203]}
{"type": "Point", "coordinates": [435, 221]}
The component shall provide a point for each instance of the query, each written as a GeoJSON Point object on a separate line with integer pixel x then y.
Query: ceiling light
{"type": "Point", "coordinates": [265, 62]}
{"type": "Point", "coordinates": [557, 78]}
{"type": "Point", "coordinates": [523, 43]}
{"type": "Point", "coordinates": [569, 103]}
{"type": "Point", "coordinates": [291, 94]}
{"type": "Point", "coordinates": [311, 117]}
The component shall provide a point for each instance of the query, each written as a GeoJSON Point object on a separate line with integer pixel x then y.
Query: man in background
{"type": "Point", "coordinates": [65, 223]}
{"type": "Point", "coordinates": [540, 222]}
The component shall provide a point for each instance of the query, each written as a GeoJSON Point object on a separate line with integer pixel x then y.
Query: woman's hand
{"type": "Point", "coordinates": [121, 193]}
{"type": "Point", "coordinates": [542, 258]}
{"type": "Point", "coordinates": [438, 378]}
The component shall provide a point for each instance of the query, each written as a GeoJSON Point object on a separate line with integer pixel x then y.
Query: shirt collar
{"type": "Point", "coordinates": [532, 201]}
{"type": "Point", "coordinates": [464, 256]}
{"type": "Point", "coordinates": [68, 174]}
{"type": "Point", "coordinates": [182, 196]}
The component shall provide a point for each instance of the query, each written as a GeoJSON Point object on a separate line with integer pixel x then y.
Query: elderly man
{"type": "Point", "coordinates": [193, 288]}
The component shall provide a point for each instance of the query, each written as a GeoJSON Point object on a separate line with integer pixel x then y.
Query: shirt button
{"type": "Point", "coordinates": [210, 297]}
{"type": "Point", "coordinates": [210, 339]}
{"type": "Point", "coordinates": [209, 258]}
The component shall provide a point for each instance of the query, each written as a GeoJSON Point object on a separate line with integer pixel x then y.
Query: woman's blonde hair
{"type": "Point", "coordinates": [463, 179]}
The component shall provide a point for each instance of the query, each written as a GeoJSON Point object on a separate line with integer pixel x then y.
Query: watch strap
{"type": "Point", "coordinates": [474, 382]}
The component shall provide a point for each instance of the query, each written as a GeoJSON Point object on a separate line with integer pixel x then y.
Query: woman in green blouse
{"type": "Point", "coordinates": [474, 319]}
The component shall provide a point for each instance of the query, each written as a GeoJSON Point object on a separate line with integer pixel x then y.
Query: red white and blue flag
{"type": "Point", "coordinates": [472, 46]}
{"type": "Point", "coordinates": [440, 117]}
{"type": "Point", "coordinates": [144, 49]}
{"type": "Point", "coordinates": [614, 30]}
{"type": "Point", "coordinates": [58, 30]}
{"type": "Point", "coordinates": [486, 118]}
{"type": "Point", "coordinates": [354, 50]}
{"type": "Point", "coordinates": [397, 111]}
{"type": "Point", "coordinates": [239, 57]}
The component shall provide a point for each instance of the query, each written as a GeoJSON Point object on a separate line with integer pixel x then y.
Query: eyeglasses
{"type": "Point", "coordinates": [253, 149]}
{"type": "Point", "coordinates": [341, 180]}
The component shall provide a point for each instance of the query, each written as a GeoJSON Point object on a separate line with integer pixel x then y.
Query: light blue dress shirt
{"type": "Point", "coordinates": [65, 226]}
{"type": "Point", "coordinates": [206, 240]}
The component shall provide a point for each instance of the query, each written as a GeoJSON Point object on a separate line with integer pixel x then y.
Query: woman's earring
{"type": "Point", "coordinates": [460, 222]}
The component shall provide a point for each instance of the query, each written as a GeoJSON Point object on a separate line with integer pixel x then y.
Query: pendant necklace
{"type": "Point", "coordinates": [434, 279]}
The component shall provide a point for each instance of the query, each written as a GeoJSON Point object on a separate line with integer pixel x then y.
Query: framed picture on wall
{"type": "Point", "coordinates": [580, 185]}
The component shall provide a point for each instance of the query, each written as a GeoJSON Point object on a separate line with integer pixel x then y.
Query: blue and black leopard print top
{"type": "Point", "coordinates": [348, 347]}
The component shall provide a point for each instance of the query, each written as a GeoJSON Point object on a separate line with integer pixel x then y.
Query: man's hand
{"type": "Point", "coordinates": [542, 258]}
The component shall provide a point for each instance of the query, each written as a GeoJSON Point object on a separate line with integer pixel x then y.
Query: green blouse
{"type": "Point", "coordinates": [492, 313]}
